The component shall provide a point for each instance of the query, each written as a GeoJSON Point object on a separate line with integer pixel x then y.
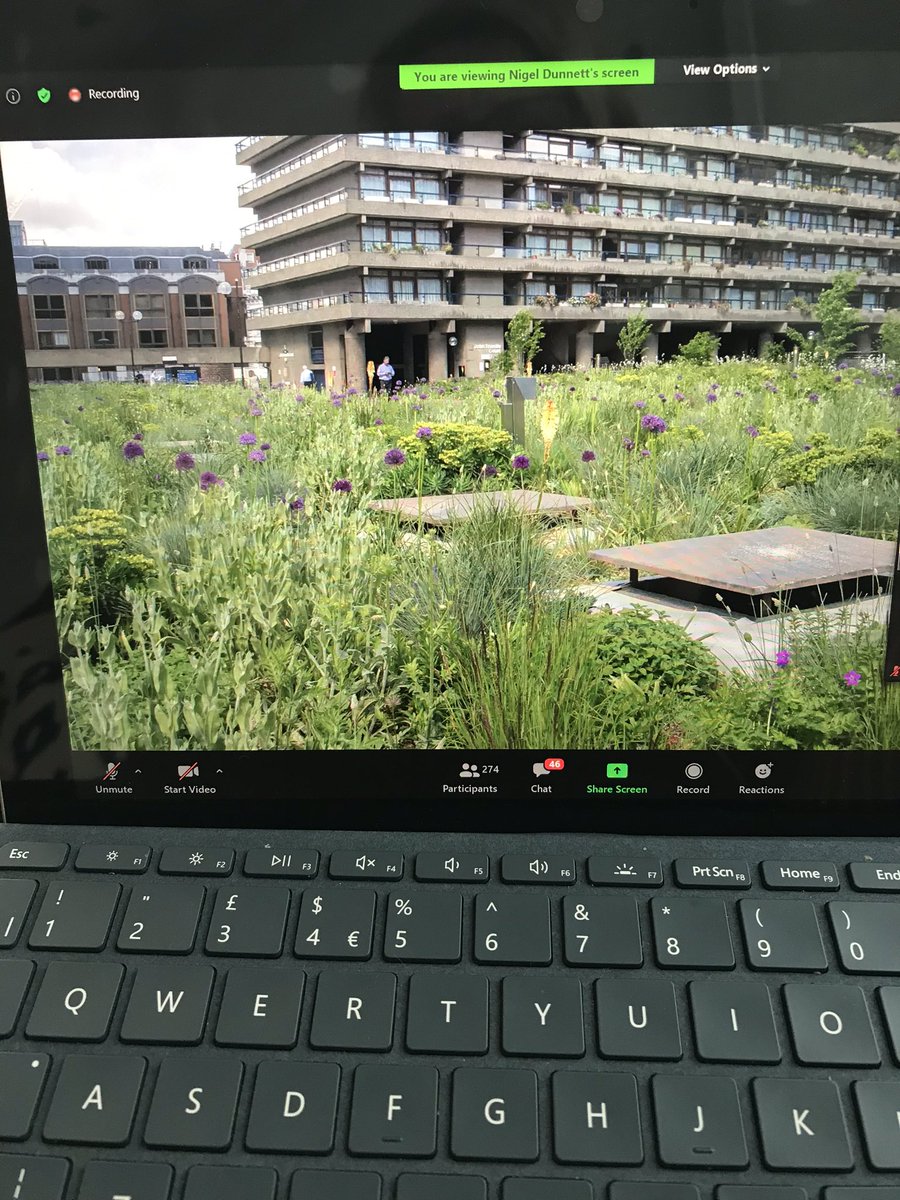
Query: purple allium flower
{"type": "Point", "coordinates": [837, 379]}
{"type": "Point", "coordinates": [770, 386]}
{"type": "Point", "coordinates": [423, 395]}
{"type": "Point", "coordinates": [43, 456]}
{"type": "Point", "coordinates": [424, 432]}
{"type": "Point", "coordinates": [751, 431]}
{"type": "Point", "coordinates": [184, 461]}
{"type": "Point", "coordinates": [521, 462]}
{"type": "Point", "coordinates": [783, 658]}
{"type": "Point", "coordinates": [417, 407]}
{"type": "Point", "coordinates": [739, 394]}
{"type": "Point", "coordinates": [488, 471]}
{"type": "Point", "coordinates": [266, 446]}
{"type": "Point", "coordinates": [807, 447]}
{"type": "Point", "coordinates": [256, 456]}
{"type": "Point", "coordinates": [379, 421]}
{"type": "Point", "coordinates": [857, 381]}
{"type": "Point", "coordinates": [653, 424]}
{"type": "Point", "coordinates": [209, 479]}
{"type": "Point", "coordinates": [852, 679]}
{"type": "Point", "coordinates": [588, 456]}
{"type": "Point", "coordinates": [351, 391]}
{"type": "Point", "coordinates": [895, 390]}
{"type": "Point", "coordinates": [661, 396]}
{"type": "Point", "coordinates": [132, 450]}
{"type": "Point", "coordinates": [337, 402]}
{"type": "Point", "coordinates": [297, 505]}
{"type": "Point", "coordinates": [842, 366]}
{"type": "Point", "coordinates": [496, 394]}
{"type": "Point", "coordinates": [711, 397]}
{"type": "Point", "coordinates": [256, 412]}
{"type": "Point", "coordinates": [138, 437]}
{"type": "Point", "coordinates": [645, 454]}
{"type": "Point", "coordinates": [342, 485]}
{"type": "Point", "coordinates": [640, 404]}
{"type": "Point", "coordinates": [247, 439]}
{"type": "Point", "coordinates": [299, 398]}
{"type": "Point", "coordinates": [628, 443]}
{"type": "Point", "coordinates": [813, 397]}
{"type": "Point", "coordinates": [395, 458]}
{"type": "Point", "coordinates": [679, 395]}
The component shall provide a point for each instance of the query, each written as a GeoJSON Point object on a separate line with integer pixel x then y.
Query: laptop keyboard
{"type": "Point", "coordinates": [210, 1022]}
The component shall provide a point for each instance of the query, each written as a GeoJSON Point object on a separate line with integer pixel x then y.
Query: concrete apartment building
{"type": "Point", "coordinates": [422, 245]}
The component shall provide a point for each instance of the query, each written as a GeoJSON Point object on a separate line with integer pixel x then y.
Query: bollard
{"type": "Point", "coordinates": [519, 388]}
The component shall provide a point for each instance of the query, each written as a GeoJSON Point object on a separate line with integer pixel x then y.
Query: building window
{"type": "Point", "coordinates": [201, 337]}
{"type": "Point", "coordinates": [317, 346]}
{"type": "Point", "coordinates": [400, 185]}
{"type": "Point", "coordinates": [406, 140]}
{"type": "Point", "coordinates": [57, 374]}
{"type": "Point", "coordinates": [401, 235]}
{"type": "Point", "coordinates": [53, 340]}
{"type": "Point", "coordinates": [152, 337]}
{"type": "Point", "coordinates": [198, 305]}
{"type": "Point", "coordinates": [49, 308]}
{"type": "Point", "coordinates": [96, 264]}
{"type": "Point", "coordinates": [103, 339]}
{"type": "Point", "coordinates": [151, 304]}
{"type": "Point", "coordinates": [195, 264]}
{"type": "Point", "coordinates": [400, 288]}
{"type": "Point", "coordinates": [146, 264]}
{"type": "Point", "coordinates": [45, 263]}
{"type": "Point", "coordinates": [99, 306]}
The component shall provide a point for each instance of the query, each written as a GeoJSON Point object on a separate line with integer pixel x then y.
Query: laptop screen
{"type": "Point", "coordinates": [529, 418]}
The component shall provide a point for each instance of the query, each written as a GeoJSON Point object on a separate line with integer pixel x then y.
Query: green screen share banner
{"type": "Point", "coordinates": [592, 72]}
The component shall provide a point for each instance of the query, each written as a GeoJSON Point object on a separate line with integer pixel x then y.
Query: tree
{"type": "Point", "coordinates": [702, 348]}
{"type": "Point", "coordinates": [523, 339]}
{"type": "Point", "coordinates": [889, 341]}
{"type": "Point", "coordinates": [633, 337]}
{"type": "Point", "coordinates": [838, 320]}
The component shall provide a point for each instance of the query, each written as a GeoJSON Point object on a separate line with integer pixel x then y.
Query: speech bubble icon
{"type": "Point", "coordinates": [539, 769]}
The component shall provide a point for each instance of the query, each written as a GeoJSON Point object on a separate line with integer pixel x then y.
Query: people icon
{"type": "Point", "coordinates": [469, 771]}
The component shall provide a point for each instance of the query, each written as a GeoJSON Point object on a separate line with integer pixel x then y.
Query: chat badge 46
{"type": "Point", "coordinates": [548, 766]}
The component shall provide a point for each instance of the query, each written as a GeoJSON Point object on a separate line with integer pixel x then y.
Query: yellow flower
{"type": "Point", "coordinates": [549, 425]}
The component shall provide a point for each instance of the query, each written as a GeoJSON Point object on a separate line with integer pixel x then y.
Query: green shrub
{"type": "Point", "coordinates": [702, 348]}
{"type": "Point", "coordinates": [460, 449]}
{"type": "Point", "coordinates": [650, 649]}
{"type": "Point", "coordinates": [880, 448]}
{"type": "Point", "coordinates": [90, 551]}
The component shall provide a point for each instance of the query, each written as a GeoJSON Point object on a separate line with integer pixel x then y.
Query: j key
{"type": "Point", "coordinates": [15, 900]}
{"type": "Point", "coordinates": [26, 1178]}
{"type": "Point", "coordinates": [94, 1100]}
{"type": "Point", "coordinates": [830, 1025]}
{"type": "Point", "coordinates": [249, 921]}
{"type": "Point", "coordinates": [424, 927]}
{"type": "Point", "coordinates": [637, 1019]}
{"type": "Point", "coordinates": [879, 1112]}
{"type": "Point", "coordinates": [394, 1112]}
{"type": "Point", "coordinates": [653, 1191]}
{"type": "Point", "coordinates": [875, 877]}
{"type": "Point", "coordinates": [494, 1115]}
{"type": "Point", "coordinates": [602, 931]}
{"type": "Point", "coordinates": [512, 929]}
{"type": "Point", "coordinates": [194, 1103]}
{"type": "Point", "coordinates": [538, 868]}
{"type": "Point", "coordinates": [866, 936]}
{"type": "Point", "coordinates": [434, 867]}
{"type": "Point", "coordinates": [441, 1187]}
{"type": "Point", "coordinates": [698, 1122]}
{"type": "Point", "coordinates": [782, 935]}
{"type": "Point", "coordinates": [447, 1014]}
{"type": "Point", "coordinates": [335, 1185]}
{"type": "Point", "coordinates": [625, 871]}
{"type": "Point", "coordinates": [596, 1118]}
{"type": "Point", "coordinates": [138, 1181]}
{"type": "Point", "coordinates": [22, 1077]}
{"type": "Point", "coordinates": [890, 1003]}
{"type": "Point", "coordinates": [691, 931]}
{"type": "Point", "coordinates": [712, 873]}
{"type": "Point", "coordinates": [294, 1107]}
{"type": "Point", "coordinates": [547, 1189]}
{"type": "Point", "coordinates": [231, 1183]}
{"type": "Point", "coordinates": [168, 1004]}
{"type": "Point", "coordinates": [75, 915]}
{"type": "Point", "coordinates": [802, 1125]}
{"type": "Point", "coordinates": [801, 877]}
{"type": "Point", "coordinates": [282, 864]}
{"type": "Point", "coordinates": [123, 860]}
{"type": "Point", "coordinates": [354, 1011]}
{"type": "Point", "coordinates": [75, 1001]}
{"type": "Point", "coordinates": [189, 860]}
{"type": "Point", "coordinates": [260, 1007]}
{"type": "Point", "coordinates": [345, 864]}
{"type": "Point", "coordinates": [733, 1021]}
{"type": "Point", "coordinates": [33, 856]}
{"type": "Point", "coordinates": [543, 1017]}
{"type": "Point", "coordinates": [162, 918]}
{"type": "Point", "coordinates": [15, 975]}
{"type": "Point", "coordinates": [336, 923]}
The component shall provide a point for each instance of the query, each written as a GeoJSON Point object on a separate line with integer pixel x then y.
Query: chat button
{"type": "Point", "coordinates": [547, 766]}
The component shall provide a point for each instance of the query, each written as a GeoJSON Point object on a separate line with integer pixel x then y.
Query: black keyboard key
{"type": "Point", "coordinates": [346, 864]}
{"type": "Point", "coordinates": [866, 936]}
{"type": "Point", "coordinates": [547, 1189]}
{"type": "Point", "coordinates": [602, 931]}
{"type": "Point", "coordinates": [394, 1112]}
{"type": "Point", "coordinates": [830, 1025]}
{"type": "Point", "coordinates": [194, 1103]}
{"type": "Point", "coordinates": [196, 860]}
{"type": "Point", "coordinates": [22, 1078]}
{"type": "Point", "coordinates": [15, 975]}
{"type": "Point", "coordinates": [653, 1191]}
{"type": "Point", "coordinates": [26, 1177]}
{"type": "Point", "coordinates": [231, 1183]}
{"type": "Point", "coordinates": [294, 1108]}
{"type": "Point", "coordinates": [782, 935]}
{"type": "Point", "coordinates": [596, 1119]}
{"type": "Point", "coordinates": [354, 1011]}
{"type": "Point", "coordinates": [447, 1014]}
{"type": "Point", "coordinates": [511, 928]}
{"type": "Point", "coordinates": [260, 1007]}
{"type": "Point", "coordinates": [801, 877]}
{"type": "Point", "coordinates": [335, 1185]}
{"type": "Point", "coordinates": [249, 921]}
{"type": "Point", "coordinates": [637, 1019]}
{"type": "Point", "coordinates": [119, 860]}
{"type": "Point", "coordinates": [625, 871]}
{"type": "Point", "coordinates": [890, 1003]}
{"type": "Point", "coordinates": [691, 931]}
{"type": "Point", "coordinates": [282, 864]}
{"type": "Point", "coordinates": [161, 918]}
{"type": "Point", "coordinates": [712, 873]}
{"type": "Point", "coordinates": [76, 915]}
{"type": "Point", "coordinates": [862, 1193]}
{"type": "Point", "coordinates": [442, 1187]}
{"type": "Point", "coordinates": [749, 1191]}
{"type": "Point", "coordinates": [435, 867]}
{"type": "Point", "coordinates": [494, 1115]}
{"type": "Point", "coordinates": [543, 1017]}
{"type": "Point", "coordinates": [75, 1001]}
{"type": "Point", "coordinates": [33, 856]}
{"type": "Point", "coordinates": [136, 1181]}
{"type": "Point", "coordinates": [168, 1004]}
{"type": "Point", "coordinates": [698, 1122]}
{"type": "Point", "coordinates": [878, 1102]}
{"type": "Point", "coordinates": [875, 877]}
{"type": "Point", "coordinates": [802, 1125]}
{"type": "Point", "coordinates": [733, 1021]}
{"type": "Point", "coordinates": [95, 1099]}
{"type": "Point", "coordinates": [15, 900]}
{"type": "Point", "coordinates": [336, 923]}
{"type": "Point", "coordinates": [424, 927]}
{"type": "Point", "coordinates": [538, 868]}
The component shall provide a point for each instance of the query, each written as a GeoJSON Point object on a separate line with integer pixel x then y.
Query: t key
{"type": "Point", "coordinates": [76, 915]}
{"type": "Point", "coordinates": [782, 935]}
{"type": "Point", "coordinates": [691, 931]}
{"type": "Point", "coordinates": [424, 927]}
{"type": "Point", "coordinates": [512, 929]}
{"type": "Point", "coordinates": [866, 936]}
{"type": "Point", "coordinates": [162, 918]}
{"type": "Point", "coordinates": [336, 922]}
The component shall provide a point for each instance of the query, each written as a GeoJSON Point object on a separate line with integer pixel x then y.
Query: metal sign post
{"type": "Point", "coordinates": [892, 655]}
{"type": "Point", "coordinates": [519, 388]}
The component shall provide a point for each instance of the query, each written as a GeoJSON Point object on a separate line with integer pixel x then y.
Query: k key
{"type": "Point", "coordinates": [512, 928]}
{"type": "Point", "coordinates": [336, 922]}
{"type": "Point", "coordinates": [76, 915]}
{"type": "Point", "coordinates": [602, 931]}
{"type": "Point", "coordinates": [802, 1125]}
{"type": "Point", "coordinates": [424, 927]}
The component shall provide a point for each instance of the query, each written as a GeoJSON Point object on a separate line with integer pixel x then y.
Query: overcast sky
{"type": "Point", "coordinates": [177, 191]}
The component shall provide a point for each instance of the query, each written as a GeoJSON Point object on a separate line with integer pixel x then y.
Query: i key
{"type": "Point", "coordinates": [691, 931]}
{"type": "Point", "coordinates": [424, 927]}
{"type": "Point", "coordinates": [782, 935]}
{"type": "Point", "coordinates": [512, 929]}
{"type": "Point", "coordinates": [336, 922]}
{"type": "Point", "coordinates": [76, 915]}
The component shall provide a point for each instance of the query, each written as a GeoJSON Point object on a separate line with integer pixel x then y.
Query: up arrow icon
{"type": "Point", "coordinates": [492, 907]}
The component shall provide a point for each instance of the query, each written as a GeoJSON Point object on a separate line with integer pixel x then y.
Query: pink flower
{"type": "Point", "coordinates": [852, 679]}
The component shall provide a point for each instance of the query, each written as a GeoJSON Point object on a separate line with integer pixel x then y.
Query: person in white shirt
{"type": "Point", "coordinates": [307, 377]}
{"type": "Point", "coordinates": [385, 373]}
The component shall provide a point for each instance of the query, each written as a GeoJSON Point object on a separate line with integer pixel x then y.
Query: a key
{"type": "Point", "coordinates": [698, 1122]}
{"type": "Point", "coordinates": [547, 1189]}
{"type": "Point", "coordinates": [596, 1119]}
{"type": "Point", "coordinates": [447, 1014]}
{"type": "Point", "coordinates": [691, 931]}
{"type": "Point", "coordinates": [830, 1025]}
{"type": "Point", "coordinates": [602, 931]}
{"type": "Point", "coordinates": [346, 864]}
{"type": "Point", "coordinates": [75, 1001]}
{"type": "Point", "coordinates": [423, 927]}
{"type": "Point", "coordinates": [733, 1021]}
{"type": "Point", "coordinates": [394, 1112]}
{"type": "Point", "coordinates": [511, 928]}
{"type": "Point", "coordinates": [202, 860]}
{"type": "Point", "coordinates": [94, 1100]}
{"type": "Point", "coordinates": [543, 1017]}
{"type": "Point", "coordinates": [120, 860]}
{"type": "Point", "coordinates": [866, 936]}
{"type": "Point", "coordinates": [801, 877]}
{"type": "Point", "coordinates": [802, 1125]}
{"type": "Point", "coordinates": [653, 1191]}
{"type": "Point", "coordinates": [15, 900]}
{"type": "Point", "coordinates": [27, 1177]}
{"type": "Point", "coordinates": [194, 1103]}
{"type": "Point", "coordinates": [282, 864]}
{"type": "Point", "coordinates": [22, 1078]}
{"type": "Point", "coordinates": [76, 915]}
{"type": "Point", "coordinates": [294, 1107]}
{"type": "Point", "coordinates": [168, 1004]}
{"type": "Point", "coordinates": [161, 917]}
{"type": "Point", "coordinates": [538, 868]}
{"type": "Point", "coordinates": [354, 1011]}
{"type": "Point", "coordinates": [878, 1102]}
{"type": "Point", "coordinates": [494, 1115]}
{"type": "Point", "coordinates": [875, 877]}
{"type": "Point", "coordinates": [231, 1183]}
{"type": "Point", "coordinates": [260, 1007]}
{"type": "Point", "coordinates": [335, 1185]}
{"type": "Point", "coordinates": [136, 1181]}
{"type": "Point", "coordinates": [441, 1187]}
{"type": "Point", "coordinates": [248, 921]}
{"type": "Point", "coordinates": [15, 975]}
{"type": "Point", "coordinates": [435, 867]}
{"type": "Point", "coordinates": [625, 871]}
{"type": "Point", "coordinates": [336, 922]}
{"type": "Point", "coordinates": [637, 1019]}
{"type": "Point", "coordinates": [782, 935]}
{"type": "Point", "coordinates": [712, 873]}
{"type": "Point", "coordinates": [33, 856]}
{"type": "Point", "coordinates": [890, 1004]}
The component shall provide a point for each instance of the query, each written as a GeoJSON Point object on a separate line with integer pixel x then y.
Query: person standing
{"type": "Point", "coordinates": [307, 376]}
{"type": "Point", "coordinates": [385, 373]}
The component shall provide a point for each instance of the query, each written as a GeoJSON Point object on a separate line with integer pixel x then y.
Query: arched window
{"type": "Point", "coordinates": [96, 264]}
{"type": "Point", "coordinates": [195, 264]}
{"type": "Point", "coordinates": [45, 263]}
{"type": "Point", "coordinates": [146, 264]}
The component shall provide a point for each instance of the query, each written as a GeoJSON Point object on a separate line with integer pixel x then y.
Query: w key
{"type": "Point", "coordinates": [75, 915]}
{"type": "Point", "coordinates": [424, 927]}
